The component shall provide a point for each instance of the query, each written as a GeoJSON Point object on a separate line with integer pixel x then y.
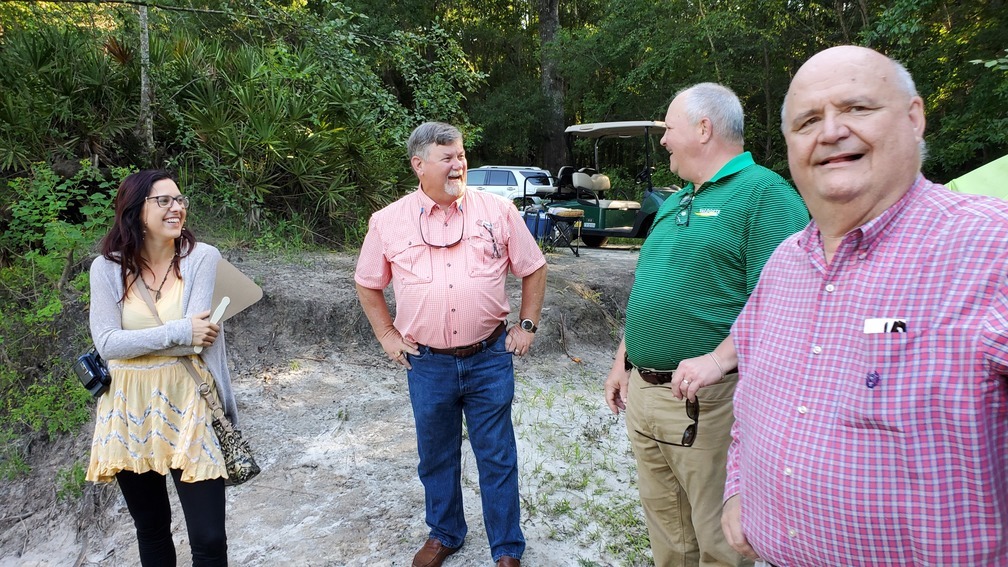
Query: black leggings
{"type": "Point", "coordinates": [203, 505]}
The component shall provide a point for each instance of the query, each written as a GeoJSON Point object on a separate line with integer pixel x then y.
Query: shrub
{"type": "Point", "coordinates": [49, 230]}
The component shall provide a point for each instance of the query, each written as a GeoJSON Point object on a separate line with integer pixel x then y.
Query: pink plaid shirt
{"type": "Point", "coordinates": [454, 296]}
{"type": "Point", "coordinates": [856, 445]}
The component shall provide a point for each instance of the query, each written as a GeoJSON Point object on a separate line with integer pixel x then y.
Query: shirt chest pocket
{"type": "Point", "coordinates": [876, 396]}
{"type": "Point", "coordinates": [411, 264]}
{"type": "Point", "coordinates": [486, 254]}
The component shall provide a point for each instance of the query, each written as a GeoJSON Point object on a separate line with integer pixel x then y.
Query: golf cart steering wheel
{"type": "Point", "coordinates": [644, 174]}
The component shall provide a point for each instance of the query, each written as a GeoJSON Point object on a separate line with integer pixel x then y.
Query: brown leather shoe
{"type": "Point", "coordinates": [433, 553]}
{"type": "Point", "coordinates": [506, 561]}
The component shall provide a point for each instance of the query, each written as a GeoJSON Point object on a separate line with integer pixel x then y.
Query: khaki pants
{"type": "Point", "coordinates": [681, 488]}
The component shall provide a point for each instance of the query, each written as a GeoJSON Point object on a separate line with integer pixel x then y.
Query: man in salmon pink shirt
{"type": "Point", "coordinates": [447, 252]}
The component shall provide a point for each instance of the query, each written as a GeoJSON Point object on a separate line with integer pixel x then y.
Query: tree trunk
{"type": "Point", "coordinates": [146, 116]}
{"type": "Point", "coordinates": [768, 103]}
{"type": "Point", "coordinates": [843, 23]}
{"type": "Point", "coordinates": [710, 40]}
{"type": "Point", "coordinates": [552, 149]}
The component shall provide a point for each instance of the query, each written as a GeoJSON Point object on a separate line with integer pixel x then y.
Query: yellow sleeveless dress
{"type": "Point", "coordinates": [152, 418]}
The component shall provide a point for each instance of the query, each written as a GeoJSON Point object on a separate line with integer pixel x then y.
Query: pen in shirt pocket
{"type": "Point", "coordinates": [878, 325]}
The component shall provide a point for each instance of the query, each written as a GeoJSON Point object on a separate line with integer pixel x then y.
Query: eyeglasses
{"type": "Point", "coordinates": [165, 201]}
{"type": "Point", "coordinates": [424, 238]}
{"type": "Point", "coordinates": [685, 209]}
{"type": "Point", "coordinates": [489, 227]}
{"type": "Point", "coordinates": [688, 436]}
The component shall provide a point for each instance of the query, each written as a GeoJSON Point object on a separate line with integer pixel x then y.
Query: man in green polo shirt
{"type": "Point", "coordinates": [695, 272]}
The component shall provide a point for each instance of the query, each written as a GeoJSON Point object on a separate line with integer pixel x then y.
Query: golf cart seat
{"type": "Point", "coordinates": [583, 181]}
{"type": "Point", "coordinates": [587, 180]}
{"type": "Point", "coordinates": [595, 184]}
{"type": "Point", "coordinates": [565, 177]}
{"type": "Point", "coordinates": [601, 182]}
{"type": "Point", "coordinates": [614, 204]}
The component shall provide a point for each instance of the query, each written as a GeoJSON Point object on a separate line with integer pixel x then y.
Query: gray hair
{"type": "Point", "coordinates": [721, 105]}
{"type": "Point", "coordinates": [430, 133]}
{"type": "Point", "coordinates": [906, 84]}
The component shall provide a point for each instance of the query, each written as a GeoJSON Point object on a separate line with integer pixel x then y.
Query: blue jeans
{"type": "Point", "coordinates": [443, 388]}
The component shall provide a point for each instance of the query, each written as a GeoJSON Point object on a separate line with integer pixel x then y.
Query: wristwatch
{"type": "Point", "coordinates": [528, 325]}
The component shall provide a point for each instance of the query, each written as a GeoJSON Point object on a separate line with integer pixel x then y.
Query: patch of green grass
{"type": "Point", "coordinates": [12, 462]}
{"type": "Point", "coordinates": [578, 482]}
{"type": "Point", "coordinates": [70, 482]}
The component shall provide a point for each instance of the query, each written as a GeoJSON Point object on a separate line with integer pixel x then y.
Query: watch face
{"type": "Point", "coordinates": [527, 324]}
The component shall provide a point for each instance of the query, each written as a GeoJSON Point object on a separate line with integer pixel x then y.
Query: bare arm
{"type": "Point", "coordinates": [618, 381]}
{"type": "Point", "coordinates": [518, 340]}
{"type": "Point", "coordinates": [376, 310]}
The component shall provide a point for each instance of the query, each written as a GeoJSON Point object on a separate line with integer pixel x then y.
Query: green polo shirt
{"type": "Point", "coordinates": [693, 278]}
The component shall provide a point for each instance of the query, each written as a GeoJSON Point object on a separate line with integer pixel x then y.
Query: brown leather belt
{"type": "Point", "coordinates": [656, 377]}
{"type": "Point", "coordinates": [464, 351]}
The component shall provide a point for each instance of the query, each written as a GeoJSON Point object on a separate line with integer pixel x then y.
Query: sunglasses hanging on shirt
{"type": "Point", "coordinates": [489, 228]}
{"type": "Point", "coordinates": [428, 243]}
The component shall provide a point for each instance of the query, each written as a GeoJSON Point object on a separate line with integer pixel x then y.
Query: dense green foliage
{"type": "Point", "coordinates": [273, 118]}
{"type": "Point", "coordinates": [51, 223]}
{"type": "Point", "coordinates": [285, 122]}
{"type": "Point", "coordinates": [624, 59]}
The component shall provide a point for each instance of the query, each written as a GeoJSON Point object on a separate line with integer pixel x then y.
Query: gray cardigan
{"type": "Point", "coordinates": [199, 272]}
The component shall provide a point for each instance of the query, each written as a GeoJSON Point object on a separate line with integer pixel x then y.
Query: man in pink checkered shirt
{"type": "Point", "coordinates": [871, 417]}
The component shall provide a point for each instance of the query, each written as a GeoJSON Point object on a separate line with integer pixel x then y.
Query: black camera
{"type": "Point", "coordinates": [93, 372]}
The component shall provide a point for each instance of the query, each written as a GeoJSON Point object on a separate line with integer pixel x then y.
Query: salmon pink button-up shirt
{"type": "Point", "coordinates": [447, 265]}
{"type": "Point", "coordinates": [872, 410]}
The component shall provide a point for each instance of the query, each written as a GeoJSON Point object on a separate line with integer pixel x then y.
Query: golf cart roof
{"type": "Point", "coordinates": [604, 129]}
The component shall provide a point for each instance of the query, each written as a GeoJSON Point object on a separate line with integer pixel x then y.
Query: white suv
{"type": "Point", "coordinates": [511, 182]}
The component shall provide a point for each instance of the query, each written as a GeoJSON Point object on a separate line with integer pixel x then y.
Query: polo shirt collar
{"type": "Point", "coordinates": [734, 165]}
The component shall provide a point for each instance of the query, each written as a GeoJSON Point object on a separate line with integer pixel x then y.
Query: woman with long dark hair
{"type": "Point", "coordinates": [152, 421]}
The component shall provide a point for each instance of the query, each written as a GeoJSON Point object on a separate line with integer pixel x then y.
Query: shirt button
{"type": "Point", "coordinates": [449, 264]}
{"type": "Point", "coordinates": [802, 410]}
{"type": "Point", "coordinates": [830, 288]}
{"type": "Point", "coordinates": [862, 255]}
{"type": "Point", "coordinates": [792, 532]}
{"type": "Point", "coordinates": [454, 332]}
{"type": "Point", "coordinates": [817, 349]}
{"type": "Point", "coordinates": [451, 286]}
{"type": "Point", "coordinates": [453, 309]}
{"type": "Point", "coordinates": [787, 471]}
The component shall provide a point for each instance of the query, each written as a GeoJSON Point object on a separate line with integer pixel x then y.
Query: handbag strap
{"type": "Point", "coordinates": [201, 385]}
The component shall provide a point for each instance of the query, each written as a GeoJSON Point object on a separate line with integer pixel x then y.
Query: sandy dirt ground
{"type": "Point", "coordinates": [330, 420]}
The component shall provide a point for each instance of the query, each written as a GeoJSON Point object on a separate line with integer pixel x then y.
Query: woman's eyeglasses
{"type": "Point", "coordinates": [685, 209]}
{"type": "Point", "coordinates": [424, 238]}
{"type": "Point", "coordinates": [165, 201]}
{"type": "Point", "coordinates": [688, 436]}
